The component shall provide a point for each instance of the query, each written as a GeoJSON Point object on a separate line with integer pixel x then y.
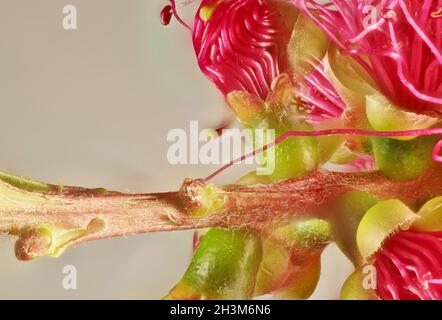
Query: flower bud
{"type": "Point", "coordinates": [291, 264]}
{"type": "Point", "coordinates": [380, 221]}
{"type": "Point", "coordinates": [384, 116]}
{"type": "Point", "coordinates": [403, 160]}
{"type": "Point", "coordinates": [294, 157]}
{"type": "Point", "coordinates": [348, 211]}
{"type": "Point", "coordinates": [308, 45]}
{"type": "Point", "coordinates": [430, 216]}
{"type": "Point", "coordinates": [224, 266]}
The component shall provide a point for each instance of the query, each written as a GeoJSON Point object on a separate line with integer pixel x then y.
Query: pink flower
{"type": "Point", "coordinates": [241, 44]}
{"type": "Point", "coordinates": [409, 267]}
{"type": "Point", "coordinates": [397, 252]}
{"type": "Point", "coordinates": [399, 43]}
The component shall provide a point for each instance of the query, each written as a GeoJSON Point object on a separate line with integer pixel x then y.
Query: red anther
{"type": "Point", "coordinates": [436, 153]}
{"type": "Point", "coordinates": [166, 15]}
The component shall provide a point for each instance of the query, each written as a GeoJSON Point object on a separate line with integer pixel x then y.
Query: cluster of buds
{"type": "Point", "coordinates": [310, 65]}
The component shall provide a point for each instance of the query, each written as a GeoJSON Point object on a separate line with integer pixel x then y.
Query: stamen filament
{"type": "Point", "coordinates": [357, 132]}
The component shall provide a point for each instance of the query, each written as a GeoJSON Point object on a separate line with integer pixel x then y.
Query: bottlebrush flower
{"type": "Point", "coordinates": [241, 44]}
{"type": "Point", "coordinates": [397, 42]}
{"type": "Point", "coordinates": [245, 45]}
{"type": "Point", "coordinates": [405, 250]}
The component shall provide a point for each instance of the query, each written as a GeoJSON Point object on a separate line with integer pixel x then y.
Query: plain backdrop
{"type": "Point", "coordinates": [92, 107]}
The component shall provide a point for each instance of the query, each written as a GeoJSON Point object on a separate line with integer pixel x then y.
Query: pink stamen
{"type": "Point", "coordinates": [357, 132]}
{"type": "Point", "coordinates": [317, 95]}
{"type": "Point", "coordinates": [403, 45]}
{"type": "Point", "coordinates": [435, 281]}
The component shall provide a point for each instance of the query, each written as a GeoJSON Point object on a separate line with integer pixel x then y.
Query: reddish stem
{"type": "Point", "coordinates": [251, 206]}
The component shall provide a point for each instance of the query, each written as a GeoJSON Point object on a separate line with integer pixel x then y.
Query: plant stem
{"type": "Point", "coordinates": [76, 215]}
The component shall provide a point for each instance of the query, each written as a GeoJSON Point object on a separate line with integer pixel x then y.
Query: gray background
{"type": "Point", "coordinates": [92, 107]}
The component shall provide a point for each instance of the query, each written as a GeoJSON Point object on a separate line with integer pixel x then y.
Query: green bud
{"type": "Point", "coordinates": [380, 222]}
{"type": "Point", "coordinates": [224, 266]}
{"type": "Point", "coordinates": [309, 234]}
{"type": "Point", "coordinates": [353, 288]}
{"type": "Point", "coordinates": [348, 211]}
{"type": "Point", "coordinates": [403, 160]}
{"type": "Point", "coordinates": [295, 157]}
{"type": "Point", "coordinates": [383, 115]}
{"type": "Point", "coordinates": [291, 265]}
{"type": "Point", "coordinates": [430, 216]}
{"type": "Point", "coordinates": [248, 108]}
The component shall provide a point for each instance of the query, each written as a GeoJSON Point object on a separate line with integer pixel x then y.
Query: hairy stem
{"type": "Point", "coordinates": [48, 218]}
